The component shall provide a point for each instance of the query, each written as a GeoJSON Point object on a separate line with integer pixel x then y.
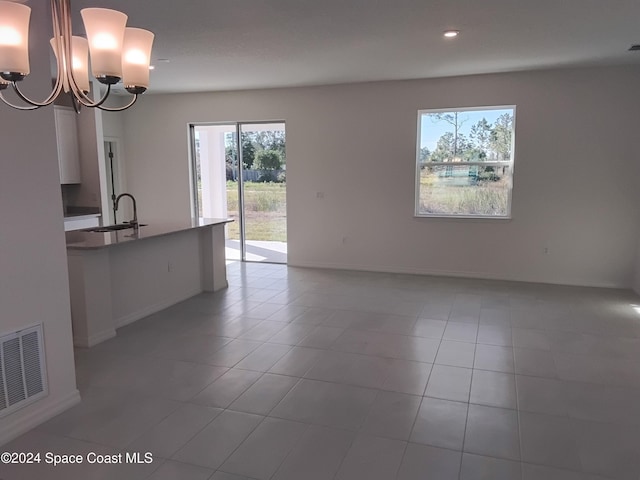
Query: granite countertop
{"type": "Point", "coordinates": [81, 240]}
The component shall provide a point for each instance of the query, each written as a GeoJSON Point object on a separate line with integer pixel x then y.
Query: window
{"type": "Point", "coordinates": [465, 162]}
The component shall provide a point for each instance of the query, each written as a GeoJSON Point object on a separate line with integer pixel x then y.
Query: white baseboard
{"type": "Point", "coordinates": [38, 413]}
{"type": "Point", "coordinates": [450, 273]}
{"type": "Point", "coordinates": [94, 339]}
{"type": "Point", "coordinates": [156, 307]}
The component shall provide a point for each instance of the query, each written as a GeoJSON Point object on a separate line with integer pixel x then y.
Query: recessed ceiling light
{"type": "Point", "coordinates": [151, 67]}
{"type": "Point", "coordinates": [163, 60]}
{"type": "Point", "coordinates": [451, 33]}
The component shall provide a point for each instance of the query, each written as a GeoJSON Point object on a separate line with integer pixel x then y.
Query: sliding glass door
{"type": "Point", "coordinates": [239, 171]}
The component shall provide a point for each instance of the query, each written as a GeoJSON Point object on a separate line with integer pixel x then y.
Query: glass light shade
{"type": "Point", "coordinates": [136, 57]}
{"type": "Point", "coordinates": [14, 37]}
{"type": "Point", "coordinates": [79, 62]}
{"type": "Point", "coordinates": [105, 32]}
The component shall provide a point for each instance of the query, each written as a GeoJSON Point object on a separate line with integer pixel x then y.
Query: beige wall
{"type": "Point", "coordinates": [113, 125]}
{"type": "Point", "coordinates": [91, 156]}
{"type": "Point", "coordinates": [575, 190]}
{"type": "Point", "coordinates": [33, 266]}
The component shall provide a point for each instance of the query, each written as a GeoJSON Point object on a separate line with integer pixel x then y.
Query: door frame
{"type": "Point", "coordinates": [121, 181]}
{"type": "Point", "coordinates": [193, 183]}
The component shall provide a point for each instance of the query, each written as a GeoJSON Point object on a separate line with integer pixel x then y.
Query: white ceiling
{"type": "Point", "coordinates": [241, 44]}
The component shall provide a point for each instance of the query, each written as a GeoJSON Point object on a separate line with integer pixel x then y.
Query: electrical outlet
{"type": "Point", "coordinates": [545, 250]}
{"type": "Point", "coordinates": [344, 239]}
{"type": "Point", "coordinates": [319, 194]}
{"type": "Point", "coordinates": [169, 267]}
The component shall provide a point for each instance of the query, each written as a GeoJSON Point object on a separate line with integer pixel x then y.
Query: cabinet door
{"type": "Point", "coordinates": [68, 151]}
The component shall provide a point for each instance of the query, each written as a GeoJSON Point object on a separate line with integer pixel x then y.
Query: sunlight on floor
{"type": "Point", "coordinates": [258, 251]}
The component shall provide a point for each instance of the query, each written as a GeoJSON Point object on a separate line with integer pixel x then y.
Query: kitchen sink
{"type": "Point", "coordinates": [112, 228]}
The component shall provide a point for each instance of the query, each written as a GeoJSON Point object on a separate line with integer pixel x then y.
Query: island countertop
{"type": "Point", "coordinates": [79, 240]}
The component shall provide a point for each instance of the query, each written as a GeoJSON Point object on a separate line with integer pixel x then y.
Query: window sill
{"type": "Point", "coordinates": [464, 217]}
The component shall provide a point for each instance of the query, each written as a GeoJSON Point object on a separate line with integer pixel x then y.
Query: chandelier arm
{"type": "Point", "coordinates": [76, 91]}
{"type": "Point", "coordinates": [83, 98]}
{"type": "Point", "coordinates": [18, 107]}
{"type": "Point", "coordinates": [119, 109]}
{"type": "Point", "coordinates": [50, 99]}
{"type": "Point", "coordinates": [57, 35]}
{"type": "Point", "coordinates": [76, 104]}
{"type": "Point", "coordinates": [25, 99]}
{"type": "Point", "coordinates": [91, 104]}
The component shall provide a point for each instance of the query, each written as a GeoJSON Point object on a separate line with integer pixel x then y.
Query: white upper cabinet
{"type": "Point", "coordinates": [68, 150]}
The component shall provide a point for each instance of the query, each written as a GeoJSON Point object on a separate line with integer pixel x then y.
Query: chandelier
{"type": "Point", "coordinates": [117, 53]}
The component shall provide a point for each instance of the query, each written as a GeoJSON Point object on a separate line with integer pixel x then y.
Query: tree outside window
{"type": "Point", "coordinates": [465, 162]}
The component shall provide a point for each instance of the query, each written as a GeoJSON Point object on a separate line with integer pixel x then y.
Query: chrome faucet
{"type": "Point", "coordinates": [134, 222]}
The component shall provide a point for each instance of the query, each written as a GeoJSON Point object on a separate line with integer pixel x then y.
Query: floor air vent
{"type": "Point", "coordinates": [22, 370]}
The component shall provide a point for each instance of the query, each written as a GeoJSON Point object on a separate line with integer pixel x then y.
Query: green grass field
{"type": "Point", "coordinates": [265, 211]}
{"type": "Point", "coordinates": [489, 198]}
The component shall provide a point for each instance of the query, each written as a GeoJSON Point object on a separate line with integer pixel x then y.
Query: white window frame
{"type": "Point", "coordinates": [510, 163]}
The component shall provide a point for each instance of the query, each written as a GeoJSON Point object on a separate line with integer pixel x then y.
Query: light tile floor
{"type": "Point", "coordinates": [302, 374]}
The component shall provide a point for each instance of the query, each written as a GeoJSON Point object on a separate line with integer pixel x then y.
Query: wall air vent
{"type": "Point", "coordinates": [23, 378]}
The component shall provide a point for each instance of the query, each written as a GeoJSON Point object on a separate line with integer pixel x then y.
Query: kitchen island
{"type": "Point", "coordinates": [116, 278]}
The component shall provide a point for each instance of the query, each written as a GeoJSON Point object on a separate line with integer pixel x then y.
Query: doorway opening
{"type": "Point", "coordinates": [239, 171]}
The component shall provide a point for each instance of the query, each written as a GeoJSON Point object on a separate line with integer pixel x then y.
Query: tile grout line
{"type": "Point", "coordinates": [476, 343]}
